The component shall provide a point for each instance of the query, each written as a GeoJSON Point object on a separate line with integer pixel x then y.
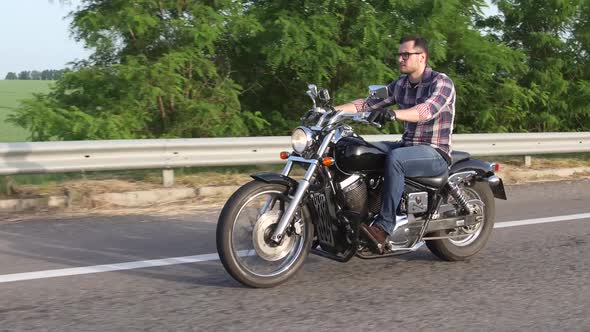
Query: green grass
{"type": "Point", "coordinates": [11, 93]}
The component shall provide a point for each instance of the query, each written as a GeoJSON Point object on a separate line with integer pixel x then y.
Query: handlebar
{"type": "Point", "coordinates": [360, 117]}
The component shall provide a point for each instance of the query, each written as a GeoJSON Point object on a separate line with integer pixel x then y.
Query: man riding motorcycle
{"type": "Point", "coordinates": [426, 101]}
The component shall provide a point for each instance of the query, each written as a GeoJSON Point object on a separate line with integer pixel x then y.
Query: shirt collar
{"type": "Point", "coordinates": [426, 78]}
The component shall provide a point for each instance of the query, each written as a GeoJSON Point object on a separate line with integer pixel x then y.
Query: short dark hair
{"type": "Point", "coordinates": [418, 42]}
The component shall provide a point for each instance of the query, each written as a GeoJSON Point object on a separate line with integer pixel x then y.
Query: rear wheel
{"type": "Point", "coordinates": [467, 241]}
{"type": "Point", "coordinates": [245, 225]}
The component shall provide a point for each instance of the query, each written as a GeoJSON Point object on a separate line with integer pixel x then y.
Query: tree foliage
{"type": "Point", "coordinates": [177, 68]}
{"type": "Point", "coordinates": [550, 34]}
{"type": "Point", "coordinates": [47, 74]}
{"type": "Point", "coordinates": [156, 72]}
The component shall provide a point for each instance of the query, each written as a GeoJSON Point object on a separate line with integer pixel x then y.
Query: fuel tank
{"type": "Point", "coordinates": [354, 155]}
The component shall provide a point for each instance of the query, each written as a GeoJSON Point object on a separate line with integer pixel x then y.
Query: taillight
{"type": "Point", "coordinates": [496, 167]}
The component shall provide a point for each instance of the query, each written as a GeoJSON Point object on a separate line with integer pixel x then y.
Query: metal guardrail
{"type": "Point", "coordinates": [73, 156]}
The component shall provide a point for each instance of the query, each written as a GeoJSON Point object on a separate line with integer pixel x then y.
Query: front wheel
{"type": "Point", "coordinates": [467, 241]}
{"type": "Point", "coordinates": [245, 225]}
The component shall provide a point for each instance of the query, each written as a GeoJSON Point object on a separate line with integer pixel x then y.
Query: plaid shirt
{"type": "Point", "coordinates": [434, 97]}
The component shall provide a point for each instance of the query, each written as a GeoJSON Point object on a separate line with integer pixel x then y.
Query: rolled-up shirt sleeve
{"type": "Point", "coordinates": [442, 94]}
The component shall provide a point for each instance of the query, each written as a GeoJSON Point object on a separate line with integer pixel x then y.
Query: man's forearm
{"type": "Point", "coordinates": [409, 114]}
{"type": "Point", "coordinates": [348, 108]}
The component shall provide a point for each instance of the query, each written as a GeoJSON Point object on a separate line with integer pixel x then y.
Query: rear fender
{"type": "Point", "coordinates": [485, 172]}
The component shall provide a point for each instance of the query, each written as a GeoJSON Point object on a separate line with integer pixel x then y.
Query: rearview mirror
{"type": "Point", "coordinates": [378, 91]}
{"type": "Point", "coordinates": [324, 95]}
{"type": "Point", "coordinates": [312, 93]}
{"type": "Point", "coordinates": [313, 89]}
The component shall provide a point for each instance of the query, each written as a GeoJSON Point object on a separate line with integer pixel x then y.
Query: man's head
{"type": "Point", "coordinates": [413, 53]}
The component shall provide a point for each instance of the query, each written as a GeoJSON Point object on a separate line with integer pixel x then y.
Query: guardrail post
{"type": "Point", "coordinates": [168, 177]}
{"type": "Point", "coordinates": [528, 161]}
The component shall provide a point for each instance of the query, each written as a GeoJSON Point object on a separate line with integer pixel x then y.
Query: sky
{"type": "Point", "coordinates": [35, 35]}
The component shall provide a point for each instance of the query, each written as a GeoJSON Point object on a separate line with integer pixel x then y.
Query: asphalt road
{"type": "Point", "coordinates": [532, 277]}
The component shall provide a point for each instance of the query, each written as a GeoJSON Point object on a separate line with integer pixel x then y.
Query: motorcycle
{"type": "Point", "coordinates": [268, 226]}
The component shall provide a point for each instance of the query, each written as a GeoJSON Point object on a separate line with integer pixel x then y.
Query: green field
{"type": "Point", "coordinates": [11, 92]}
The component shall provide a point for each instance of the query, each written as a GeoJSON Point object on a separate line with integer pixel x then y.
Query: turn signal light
{"type": "Point", "coordinates": [328, 161]}
{"type": "Point", "coordinates": [284, 155]}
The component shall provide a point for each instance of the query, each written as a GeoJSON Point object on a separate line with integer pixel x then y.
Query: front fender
{"type": "Point", "coordinates": [275, 178]}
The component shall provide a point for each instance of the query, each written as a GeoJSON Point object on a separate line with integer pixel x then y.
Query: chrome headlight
{"type": "Point", "coordinates": [301, 139]}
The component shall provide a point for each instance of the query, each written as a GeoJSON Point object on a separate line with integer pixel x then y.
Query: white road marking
{"type": "Point", "coordinates": [214, 257]}
{"type": "Point", "coordinates": [107, 268]}
{"type": "Point", "coordinates": [542, 220]}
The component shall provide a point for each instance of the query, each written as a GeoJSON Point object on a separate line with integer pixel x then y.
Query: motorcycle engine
{"type": "Point", "coordinates": [354, 190]}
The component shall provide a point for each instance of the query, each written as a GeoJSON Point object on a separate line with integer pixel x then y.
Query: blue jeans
{"type": "Point", "coordinates": [410, 161]}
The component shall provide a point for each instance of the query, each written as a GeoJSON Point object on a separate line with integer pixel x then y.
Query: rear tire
{"type": "Point", "coordinates": [235, 264]}
{"type": "Point", "coordinates": [456, 250]}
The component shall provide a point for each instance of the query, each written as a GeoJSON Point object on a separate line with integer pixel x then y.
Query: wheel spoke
{"type": "Point", "coordinates": [471, 232]}
{"type": "Point", "coordinates": [264, 258]}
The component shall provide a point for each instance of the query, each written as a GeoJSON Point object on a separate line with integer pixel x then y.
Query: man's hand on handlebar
{"type": "Point", "coordinates": [381, 116]}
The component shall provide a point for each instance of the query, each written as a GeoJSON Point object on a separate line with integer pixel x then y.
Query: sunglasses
{"type": "Point", "coordinates": [406, 55]}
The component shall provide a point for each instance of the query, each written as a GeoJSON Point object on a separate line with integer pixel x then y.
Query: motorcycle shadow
{"type": "Point", "coordinates": [212, 274]}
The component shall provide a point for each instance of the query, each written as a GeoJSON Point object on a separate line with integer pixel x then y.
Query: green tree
{"type": "Point", "coordinates": [11, 76]}
{"type": "Point", "coordinates": [552, 35]}
{"type": "Point", "coordinates": [346, 45]}
{"type": "Point", "coordinates": [157, 72]}
{"type": "Point", "coordinates": [173, 68]}
{"type": "Point", "coordinates": [35, 75]}
{"type": "Point", "coordinates": [24, 75]}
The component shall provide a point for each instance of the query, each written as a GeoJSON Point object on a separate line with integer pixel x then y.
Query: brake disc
{"type": "Point", "coordinates": [265, 248]}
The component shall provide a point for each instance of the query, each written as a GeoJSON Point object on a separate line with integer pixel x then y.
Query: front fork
{"type": "Point", "coordinates": [302, 187]}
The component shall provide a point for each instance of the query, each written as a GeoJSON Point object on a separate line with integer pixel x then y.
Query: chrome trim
{"type": "Point", "coordinates": [270, 202]}
{"type": "Point", "coordinates": [396, 249]}
{"type": "Point", "coordinates": [461, 176]}
{"type": "Point", "coordinates": [472, 237]}
{"type": "Point", "coordinates": [399, 236]}
{"type": "Point", "coordinates": [292, 256]}
{"type": "Point", "coordinates": [341, 115]}
{"type": "Point", "coordinates": [493, 180]}
{"type": "Point", "coordinates": [301, 189]}
{"type": "Point", "coordinates": [348, 181]}
{"type": "Point", "coordinates": [308, 135]}
{"type": "Point", "coordinates": [325, 143]}
{"type": "Point", "coordinates": [277, 236]}
{"type": "Point", "coordinates": [417, 202]}
{"type": "Point", "coordinates": [319, 124]}
{"type": "Point", "coordinates": [301, 160]}
{"type": "Point", "coordinates": [341, 132]}
{"type": "Point", "coordinates": [442, 237]}
{"type": "Point", "coordinates": [287, 168]}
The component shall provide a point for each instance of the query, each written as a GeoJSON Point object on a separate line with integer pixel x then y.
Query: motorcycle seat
{"type": "Point", "coordinates": [439, 181]}
{"type": "Point", "coordinates": [457, 156]}
{"type": "Point", "coordinates": [432, 181]}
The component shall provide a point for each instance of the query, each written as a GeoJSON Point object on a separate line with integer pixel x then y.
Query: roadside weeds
{"type": "Point", "coordinates": [200, 192]}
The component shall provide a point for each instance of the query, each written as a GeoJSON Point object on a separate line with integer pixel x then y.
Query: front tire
{"type": "Point", "coordinates": [255, 261]}
{"type": "Point", "coordinates": [461, 248]}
